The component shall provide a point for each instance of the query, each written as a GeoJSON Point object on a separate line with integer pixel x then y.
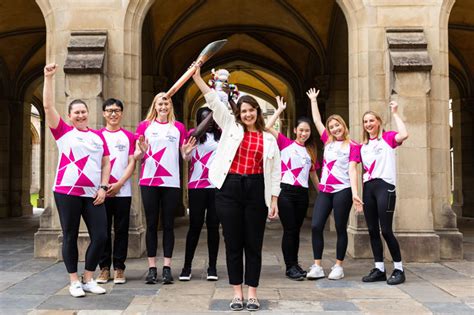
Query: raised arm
{"type": "Point", "coordinates": [199, 81]}
{"type": "Point", "coordinates": [402, 134]}
{"type": "Point", "coordinates": [271, 121]}
{"type": "Point", "coordinates": [220, 111]}
{"type": "Point", "coordinates": [52, 115]}
{"type": "Point", "coordinates": [313, 96]}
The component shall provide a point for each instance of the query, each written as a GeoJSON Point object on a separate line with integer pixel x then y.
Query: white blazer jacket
{"type": "Point", "coordinates": [232, 136]}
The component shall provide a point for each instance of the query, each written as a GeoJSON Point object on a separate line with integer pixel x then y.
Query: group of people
{"type": "Point", "coordinates": [242, 172]}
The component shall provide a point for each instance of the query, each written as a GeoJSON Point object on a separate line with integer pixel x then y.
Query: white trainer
{"type": "Point", "coordinates": [75, 289]}
{"type": "Point", "coordinates": [93, 287]}
{"type": "Point", "coordinates": [336, 273]}
{"type": "Point", "coordinates": [315, 272]}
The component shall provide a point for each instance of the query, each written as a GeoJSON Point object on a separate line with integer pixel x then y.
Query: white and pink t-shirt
{"type": "Point", "coordinates": [201, 159]}
{"type": "Point", "coordinates": [295, 162]}
{"type": "Point", "coordinates": [121, 145]}
{"type": "Point", "coordinates": [378, 158]}
{"type": "Point", "coordinates": [160, 164]}
{"type": "Point", "coordinates": [335, 172]}
{"type": "Point", "coordinates": [80, 160]}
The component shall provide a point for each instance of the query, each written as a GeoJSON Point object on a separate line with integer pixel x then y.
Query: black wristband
{"type": "Point", "coordinates": [104, 187]}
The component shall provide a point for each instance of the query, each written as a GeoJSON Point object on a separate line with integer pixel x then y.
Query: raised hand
{"type": "Point", "coordinates": [312, 94]}
{"type": "Point", "coordinates": [142, 144]}
{"type": "Point", "coordinates": [393, 106]}
{"type": "Point", "coordinates": [189, 145]}
{"type": "Point", "coordinates": [50, 69]}
{"type": "Point", "coordinates": [281, 104]}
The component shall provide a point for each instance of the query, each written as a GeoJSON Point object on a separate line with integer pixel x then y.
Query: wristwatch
{"type": "Point", "coordinates": [104, 187]}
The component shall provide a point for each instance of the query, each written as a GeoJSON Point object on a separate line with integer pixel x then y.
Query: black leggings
{"type": "Point", "coordinates": [154, 199]}
{"type": "Point", "coordinates": [118, 212]}
{"type": "Point", "coordinates": [292, 208]}
{"type": "Point", "coordinates": [70, 209]}
{"type": "Point", "coordinates": [379, 204]}
{"type": "Point", "coordinates": [200, 200]}
{"type": "Point", "coordinates": [241, 208]}
{"type": "Point", "coordinates": [341, 202]}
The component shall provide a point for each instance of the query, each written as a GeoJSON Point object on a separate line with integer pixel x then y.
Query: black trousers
{"type": "Point", "coordinates": [70, 209]}
{"type": "Point", "coordinates": [154, 199]}
{"type": "Point", "coordinates": [341, 202]}
{"type": "Point", "coordinates": [118, 212]}
{"type": "Point", "coordinates": [200, 200]}
{"type": "Point", "coordinates": [241, 208]}
{"type": "Point", "coordinates": [379, 205]}
{"type": "Point", "coordinates": [292, 207]}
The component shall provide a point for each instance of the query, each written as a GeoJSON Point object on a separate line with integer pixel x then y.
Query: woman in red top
{"type": "Point", "coordinates": [247, 176]}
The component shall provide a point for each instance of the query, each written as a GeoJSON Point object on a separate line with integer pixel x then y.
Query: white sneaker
{"type": "Point", "coordinates": [336, 273]}
{"type": "Point", "coordinates": [75, 289]}
{"type": "Point", "coordinates": [315, 272]}
{"type": "Point", "coordinates": [93, 287]}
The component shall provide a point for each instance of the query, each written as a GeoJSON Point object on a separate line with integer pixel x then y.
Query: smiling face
{"type": "Point", "coordinates": [78, 115]}
{"type": "Point", "coordinates": [371, 125]}
{"type": "Point", "coordinates": [113, 115]}
{"type": "Point", "coordinates": [303, 132]}
{"type": "Point", "coordinates": [162, 108]}
{"type": "Point", "coordinates": [336, 129]}
{"type": "Point", "coordinates": [248, 115]}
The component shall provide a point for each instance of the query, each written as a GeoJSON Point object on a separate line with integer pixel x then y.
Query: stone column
{"type": "Point", "coordinates": [121, 79]}
{"type": "Point", "coordinates": [4, 158]}
{"type": "Point", "coordinates": [467, 144]}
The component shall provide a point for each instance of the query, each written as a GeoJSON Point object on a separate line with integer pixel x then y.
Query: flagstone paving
{"type": "Point", "coordinates": [39, 286]}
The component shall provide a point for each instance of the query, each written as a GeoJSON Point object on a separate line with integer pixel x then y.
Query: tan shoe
{"type": "Point", "coordinates": [119, 276]}
{"type": "Point", "coordinates": [104, 276]}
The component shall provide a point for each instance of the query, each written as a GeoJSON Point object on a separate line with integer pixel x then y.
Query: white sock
{"type": "Point", "coordinates": [380, 266]}
{"type": "Point", "coordinates": [398, 265]}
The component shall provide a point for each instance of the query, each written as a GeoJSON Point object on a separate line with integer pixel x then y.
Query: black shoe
{"type": "Point", "coordinates": [212, 274]}
{"type": "Point", "coordinates": [152, 276]}
{"type": "Point", "coordinates": [397, 277]}
{"type": "Point", "coordinates": [301, 270]}
{"type": "Point", "coordinates": [294, 274]}
{"type": "Point", "coordinates": [236, 304]}
{"type": "Point", "coordinates": [185, 274]}
{"type": "Point", "coordinates": [167, 276]}
{"type": "Point", "coordinates": [375, 275]}
{"type": "Point", "coordinates": [253, 305]}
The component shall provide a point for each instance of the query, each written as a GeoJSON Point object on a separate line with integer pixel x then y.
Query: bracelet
{"type": "Point", "coordinates": [104, 187]}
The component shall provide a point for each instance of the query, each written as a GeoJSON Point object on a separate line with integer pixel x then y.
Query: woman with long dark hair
{"type": "Point", "coordinates": [202, 195]}
{"type": "Point", "coordinates": [298, 164]}
{"type": "Point", "coordinates": [246, 173]}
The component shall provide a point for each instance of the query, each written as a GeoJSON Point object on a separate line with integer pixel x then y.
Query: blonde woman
{"type": "Point", "coordinates": [378, 158]}
{"type": "Point", "coordinates": [337, 188]}
{"type": "Point", "coordinates": [160, 138]}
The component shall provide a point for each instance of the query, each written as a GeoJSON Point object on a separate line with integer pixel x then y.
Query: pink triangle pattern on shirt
{"type": "Point", "coordinates": [206, 158]}
{"type": "Point", "coordinates": [60, 175]}
{"type": "Point", "coordinates": [112, 179]}
{"type": "Point", "coordinates": [152, 181]}
{"type": "Point", "coordinates": [84, 181]}
{"type": "Point", "coordinates": [65, 161]}
{"type": "Point", "coordinates": [369, 170]}
{"type": "Point", "coordinates": [81, 163]}
{"type": "Point", "coordinates": [112, 162]}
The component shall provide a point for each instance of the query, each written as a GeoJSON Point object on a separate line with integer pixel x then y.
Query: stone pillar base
{"type": "Point", "coordinates": [136, 243]}
{"type": "Point", "coordinates": [450, 243]}
{"type": "Point", "coordinates": [418, 247]}
{"type": "Point", "coordinates": [47, 243]}
{"type": "Point", "coordinates": [359, 243]}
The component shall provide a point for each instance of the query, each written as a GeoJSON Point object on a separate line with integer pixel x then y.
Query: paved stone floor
{"type": "Point", "coordinates": [39, 286]}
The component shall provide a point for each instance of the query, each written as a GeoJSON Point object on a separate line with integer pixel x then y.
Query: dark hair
{"type": "Point", "coordinates": [112, 101]}
{"type": "Point", "coordinates": [260, 123]}
{"type": "Point", "coordinates": [310, 143]}
{"type": "Point", "coordinates": [74, 102]}
{"type": "Point", "coordinates": [213, 128]}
